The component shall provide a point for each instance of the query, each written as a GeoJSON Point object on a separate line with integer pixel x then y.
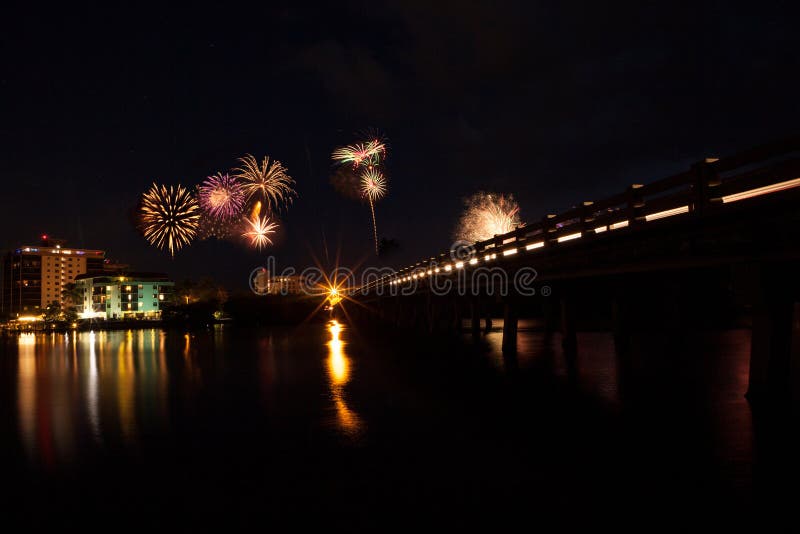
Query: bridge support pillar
{"type": "Point", "coordinates": [569, 338]}
{"type": "Point", "coordinates": [621, 330]}
{"type": "Point", "coordinates": [458, 323]}
{"type": "Point", "coordinates": [510, 323]}
{"type": "Point", "coordinates": [487, 311]}
{"type": "Point", "coordinates": [429, 305]}
{"type": "Point", "coordinates": [475, 316]}
{"type": "Point", "coordinates": [771, 341]}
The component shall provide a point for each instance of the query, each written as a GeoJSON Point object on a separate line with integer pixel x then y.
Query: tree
{"type": "Point", "coordinates": [387, 247]}
{"type": "Point", "coordinates": [185, 291]}
{"type": "Point", "coordinates": [72, 297]}
{"type": "Point", "coordinates": [52, 312]}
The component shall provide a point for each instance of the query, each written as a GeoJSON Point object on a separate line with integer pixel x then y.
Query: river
{"type": "Point", "coordinates": [327, 424]}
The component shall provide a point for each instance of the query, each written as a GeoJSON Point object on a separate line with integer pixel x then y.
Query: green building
{"type": "Point", "coordinates": [124, 295]}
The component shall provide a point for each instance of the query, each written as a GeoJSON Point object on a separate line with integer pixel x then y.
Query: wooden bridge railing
{"type": "Point", "coordinates": [707, 186]}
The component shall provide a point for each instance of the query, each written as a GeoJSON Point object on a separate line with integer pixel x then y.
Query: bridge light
{"type": "Point", "coordinates": [429, 271]}
{"type": "Point", "coordinates": [437, 269]}
{"type": "Point", "coordinates": [666, 213]}
{"type": "Point", "coordinates": [569, 237]}
{"type": "Point", "coordinates": [473, 261]}
{"type": "Point", "coordinates": [448, 268]}
{"type": "Point", "coordinates": [509, 252]}
{"type": "Point", "coordinates": [600, 229]}
{"type": "Point", "coordinates": [459, 265]}
{"type": "Point", "coordinates": [532, 246]}
{"type": "Point", "coordinates": [621, 224]}
{"type": "Point", "coordinates": [789, 184]}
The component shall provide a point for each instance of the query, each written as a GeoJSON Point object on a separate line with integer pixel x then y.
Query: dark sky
{"type": "Point", "coordinates": [555, 102]}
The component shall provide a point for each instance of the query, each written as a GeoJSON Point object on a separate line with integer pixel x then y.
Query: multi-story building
{"type": "Point", "coordinates": [286, 285]}
{"type": "Point", "coordinates": [34, 276]}
{"type": "Point", "coordinates": [123, 295]}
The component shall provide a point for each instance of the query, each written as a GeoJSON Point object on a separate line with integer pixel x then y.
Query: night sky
{"type": "Point", "coordinates": [553, 102]}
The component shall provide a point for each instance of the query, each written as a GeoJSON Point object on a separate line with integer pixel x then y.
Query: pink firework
{"type": "Point", "coordinates": [368, 154]}
{"type": "Point", "coordinates": [222, 196]}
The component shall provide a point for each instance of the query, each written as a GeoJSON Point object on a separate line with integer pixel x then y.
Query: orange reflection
{"type": "Point", "coordinates": [339, 374]}
{"type": "Point", "coordinates": [73, 392]}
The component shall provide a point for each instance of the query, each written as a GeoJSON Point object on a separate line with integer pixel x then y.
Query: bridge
{"type": "Point", "coordinates": [726, 229]}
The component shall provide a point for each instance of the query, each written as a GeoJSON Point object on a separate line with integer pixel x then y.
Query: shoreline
{"type": "Point", "coordinates": [109, 325]}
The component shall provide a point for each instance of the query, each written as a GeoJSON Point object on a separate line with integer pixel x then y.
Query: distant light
{"type": "Point", "coordinates": [429, 271]}
{"type": "Point", "coordinates": [459, 265]}
{"type": "Point", "coordinates": [621, 224]}
{"type": "Point", "coordinates": [473, 261]}
{"type": "Point", "coordinates": [448, 267]}
{"type": "Point", "coordinates": [509, 252]}
{"type": "Point", "coordinates": [569, 237]}
{"type": "Point", "coordinates": [532, 246]}
{"type": "Point", "coordinates": [437, 269]}
{"type": "Point", "coordinates": [600, 229]}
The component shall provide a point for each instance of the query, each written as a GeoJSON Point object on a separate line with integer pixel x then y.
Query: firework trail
{"type": "Point", "coordinates": [373, 187]}
{"type": "Point", "coordinates": [269, 181]}
{"type": "Point", "coordinates": [259, 228]}
{"type": "Point", "coordinates": [487, 215]}
{"type": "Point", "coordinates": [367, 157]}
{"type": "Point", "coordinates": [169, 217]}
{"type": "Point", "coordinates": [221, 196]}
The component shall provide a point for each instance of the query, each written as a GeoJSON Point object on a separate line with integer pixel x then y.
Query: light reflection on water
{"type": "Point", "coordinates": [111, 390]}
{"type": "Point", "coordinates": [90, 388]}
{"type": "Point", "coordinates": [72, 396]}
{"type": "Point", "coordinates": [706, 372]}
{"type": "Point", "coordinates": [338, 376]}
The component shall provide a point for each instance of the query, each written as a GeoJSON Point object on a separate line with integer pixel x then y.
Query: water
{"type": "Point", "coordinates": [331, 425]}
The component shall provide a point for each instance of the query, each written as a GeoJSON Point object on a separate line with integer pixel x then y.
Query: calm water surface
{"type": "Point", "coordinates": [328, 424]}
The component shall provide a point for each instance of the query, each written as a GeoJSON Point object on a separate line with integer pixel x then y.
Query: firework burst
{"type": "Point", "coordinates": [209, 227]}
{"type": "Point", "coordinates": [169, 217]}
{"type": "Point", "coordinates": [221, 196]}
{"type": "Point", "coordinates": [268, 180]}
{"type": "Point", "coordinates": [258, 228]}
{"type": "Point", "coordinates": [373, 185]}
{"type": "Point", "coordinates": [368, 154]}
{"type": "Point", "coordinates": [487, 215]}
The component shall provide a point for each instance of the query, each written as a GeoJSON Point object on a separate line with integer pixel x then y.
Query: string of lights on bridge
{"type": "Point", "coordinates": [490, 250]}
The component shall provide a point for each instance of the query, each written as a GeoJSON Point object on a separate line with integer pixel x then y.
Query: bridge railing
{"type": "Point", "coordinates": [706, 187]}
